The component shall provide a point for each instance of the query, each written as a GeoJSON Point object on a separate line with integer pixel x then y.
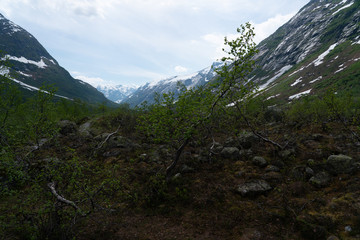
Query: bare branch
{"type": "Point", "coordinates": [60, 198]}
{"type": "Point", "coordinates": [108, 137]}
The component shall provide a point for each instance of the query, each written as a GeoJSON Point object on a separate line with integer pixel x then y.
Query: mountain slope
{"type": "Point", "coordinates": [146, 93]}
{"type": "Point", "coordinates": [32, 66]}
{"type": "Point", "coordinates": [318, 48]}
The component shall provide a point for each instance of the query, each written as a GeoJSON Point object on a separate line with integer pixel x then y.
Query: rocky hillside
{"type": "Point", "coordinates": [318, 48]}
{"type": "Point", "coordinates": [32, 66]}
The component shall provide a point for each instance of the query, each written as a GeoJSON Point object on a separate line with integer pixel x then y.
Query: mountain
{"type": "Point", "coordinates": [146, 92]}
{"type": "Point", "coordinates": [31, 66]}
{"type": "Point", "coordinates": [317, 49]}
{"type": "Point", "coordinates": [117, 93]}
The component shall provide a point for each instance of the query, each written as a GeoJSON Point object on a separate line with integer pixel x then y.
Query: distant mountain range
{"type": "Point", "coordinates": [117, 93]}
{"type": "Point", "coordinates": [318, 48]}
{"type": "Point", "coordinates": [31, 66]}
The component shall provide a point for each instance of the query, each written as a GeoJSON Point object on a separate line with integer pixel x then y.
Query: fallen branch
{"type": "Point", "coordinates": [60, 198]}
{"type": "Point", "coordinates": [108, 137]}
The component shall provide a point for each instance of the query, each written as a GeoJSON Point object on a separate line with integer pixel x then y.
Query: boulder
{"type": "Point", "coordinates": [230, 152]}
{"type": "Point", "coordinates": [253, 188]}
{"type": "Point", "coordinates": [259, 161]}
{"type": "Point", "coordinates": [320, 180]}
{"type": "Point", "coordinates": [84, 129]}
{"type": "Point", "coordinates": [338, 164]}
{"type": "Point", "coordinates": [247, 139]}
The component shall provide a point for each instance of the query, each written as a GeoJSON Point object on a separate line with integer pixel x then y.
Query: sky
{"type": "Point", "coordinates": [131, 42]}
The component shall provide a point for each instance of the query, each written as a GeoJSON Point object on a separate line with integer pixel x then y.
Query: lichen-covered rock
{"type": "Point", "coordinates": [259, 161]}
{"type": "Point", "coordinates": [253, 188]}
{"type": "Point", "coordinates": [272, 168]}
{"type": "Point", "coordinates": [320, 180]}
{"type": "Point", "coordinates": [338, 164]}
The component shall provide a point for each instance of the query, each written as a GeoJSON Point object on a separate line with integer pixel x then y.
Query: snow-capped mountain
{"type": "Point", "coordinates": [318, 48]}
{"type": "Point", "coordinates": [146, 92]}
{"type": "Point", "coordinates": [32, 66]}
{"type": "Point", "coordinates": [117, 93]}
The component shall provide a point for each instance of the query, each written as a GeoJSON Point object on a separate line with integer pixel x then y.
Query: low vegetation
{"type": "Point", "coordinates": [218, 162]}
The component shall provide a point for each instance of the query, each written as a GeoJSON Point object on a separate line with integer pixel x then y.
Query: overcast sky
{"type": "Point", "coordinates": [131, 42]}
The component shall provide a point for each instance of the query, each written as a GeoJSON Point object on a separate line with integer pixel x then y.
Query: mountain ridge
{"type": "Point", "coordinates": [32, 67]}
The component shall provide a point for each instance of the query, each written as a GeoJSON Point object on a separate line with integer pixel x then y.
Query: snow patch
{"type": "Point", "coordinates": [39, 64]}
{"type": "Point", "coordinates": [320, 59]}
{"type": "Point", "coordinates": [271, 97]}
{"type": "Point", "coordinates": [277, 75]}
{"type": "Point", "coordinates": [342, 8]}
{"type": "Point", "coordinates": [299, 70]}
{"type": "Point", "coordinates": [299, 80]}
{"type": "Point", "coordinates": [296, 96]}
{"type": "Point", "coordinates": [317, 79]}
{"type": "Point", "coordinates": [24, 74]}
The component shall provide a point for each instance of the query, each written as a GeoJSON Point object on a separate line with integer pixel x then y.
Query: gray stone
{"type": "Point", "coordinates": [247, 139]}
{"type": "Point", "coordinates": [272, 168]}
{"type": "Point", "coordinates": [338, 164]}
{"type": "Point", "coordinates": [253, 188]}
{"type": "Point", "coordinates": [84, 129]}
{"type": "Point", "coordinates": [332, 238]}
{"type": "Point", "coordinates": [309, 172]}
{"type": "Point", "coordinates": [259, 161]}
{"type": "Point", "coordinates": [230, 152]}
{"type": "Point", "coordinates": [320, 180]}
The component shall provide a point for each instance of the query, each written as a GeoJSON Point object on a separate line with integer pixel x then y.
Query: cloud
{"type": "Point", "coordinates": [180, 69]}
{"type": "Point", "coordinates": [264, 29]}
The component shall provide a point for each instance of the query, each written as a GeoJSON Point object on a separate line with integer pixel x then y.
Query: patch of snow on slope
{"type": "Point", "coordinates": [299, 70]}
{"type": "Point", "coordinates": [317, 79]}
{"type": "Point", "coordinates": [39, 64]}
{"type": "Point", "coordinates": [277, 75]}
{"type": "Point", "coordinates": [4, 70]}
{"type": "Point", "coordinates": [296, 96]}
{"type": "Point", "coordinates": [24, 74]}
{"type": "Point", "coordinates": [342, 8]}
{"type": "Point", "coordinates": [320, 59]}
{"type": "Point", "coordinates": [341, 67]}
{"type": "Point", "coordinates": [299, 80]}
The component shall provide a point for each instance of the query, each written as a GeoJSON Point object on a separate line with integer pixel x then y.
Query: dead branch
{"type": "Point", "coordinates": [60, 198]}
{"type": "Point", "coordinates": [108, 137]}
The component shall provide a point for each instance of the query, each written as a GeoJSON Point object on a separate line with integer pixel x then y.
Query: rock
{"type": "Point", "coordinates": [247, 139]}
{"type": "Point", "coordinates": [253, 188]}
{"type": "Point", "coordinates": [187, 169]}
{"type": "Point", "coordinates": [251, 234]}
{"type": "Point", "coordinates": [272, 168]}
{"type": "Point", "coordinates": [67, 127]}
{"type": "Point", "coordinates": [321, 179]}
{"type": "Point", "coordinates": [259, 161]}
{"type": "Point", "coordinates": [309, 172]}
{"type": "Point", "coordinates": [348, 229]}
{"type": "Point", "coordinates": [84, 129]}
{"type": "Point", "coordinates": [338, 164]}
{"type": "Point", "coordinates": [333, 238]}
{"type": "Point", "coordinates": [230, 152]}
{"type": "Point", "coordinates": [286, 154]}
{"type": "Point", "coordinates": [229, 142]}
